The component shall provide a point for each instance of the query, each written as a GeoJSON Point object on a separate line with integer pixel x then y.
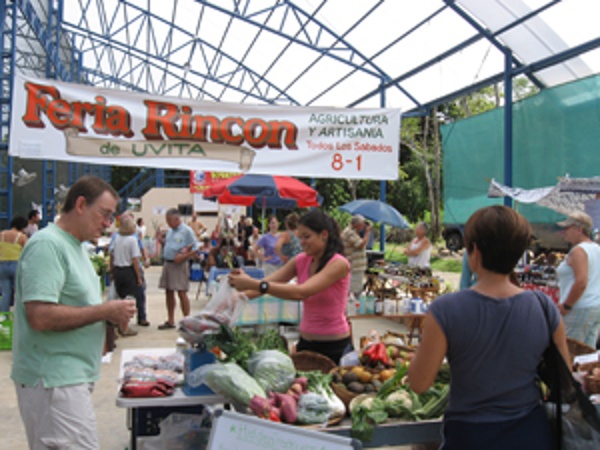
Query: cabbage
{"type": "Point", "coordinates": [313, 408]}
{"type": "Point", "coordinates": [273, 370]}
{"type": "Point", "coordinates": [231, 381]}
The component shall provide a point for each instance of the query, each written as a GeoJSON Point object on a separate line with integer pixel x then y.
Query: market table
{"type": "Point", "coordinates": [144, 414]}
{"type": "Point", "coordinates": [551, 291]}
{"type": "Point", "coordinates": [396, 432]}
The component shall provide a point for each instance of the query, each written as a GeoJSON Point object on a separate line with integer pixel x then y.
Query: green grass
{"type": "Point", "coordinates": [446, 265]}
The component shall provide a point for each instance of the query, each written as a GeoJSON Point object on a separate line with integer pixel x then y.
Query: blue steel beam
{"type": "Point", "coordinates": [380, 52]}
{"type": "Point", "coordinates": [43, 35]}
{"type": "Point", "coordinates": [382, 183]}
{"type": "Point", "coordinates": [324, 51]}
{"type": "Point", "coordinates": [492, 36]}
{"type": "Point", "coordinates": [8, 19]}
{"type": "Point", "coordinates": [530, 68]}
{"type": "Point", "coordinates": [102, 40]}
{"type": "Point", "coordinates": [215, 49]}
{"type": "Point", "coordinates": [314, 46]}
{"type": "Point", "coordinates": [149, 60]}
{"type": "Point", "coordinates": [451, 51]}
{"type": "Point", "coordinates": [508, 124]}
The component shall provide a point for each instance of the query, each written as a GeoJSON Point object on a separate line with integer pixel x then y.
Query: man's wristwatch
{"type": "Point", "coordinates": [567, 307]}
{"type": "Point", "coordinates": [263, 287]}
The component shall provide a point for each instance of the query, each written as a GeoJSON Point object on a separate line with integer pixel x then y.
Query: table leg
{"type": "Point", "coordinates": [134, 424]}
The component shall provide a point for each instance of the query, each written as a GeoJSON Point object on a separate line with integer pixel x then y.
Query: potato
{"type": "Point", "coordinates": [349, 377]}
{"type": "Point", "coordinates": [356, 387]}
{"type": "Point", "coordinates": [365, 377]}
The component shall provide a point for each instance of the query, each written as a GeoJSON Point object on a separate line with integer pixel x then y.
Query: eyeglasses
{"type": "Point", "coordinates": [107, 214]}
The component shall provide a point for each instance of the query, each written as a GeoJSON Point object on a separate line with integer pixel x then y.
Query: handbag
{"type": "Point", "coordinates": [573, 418]}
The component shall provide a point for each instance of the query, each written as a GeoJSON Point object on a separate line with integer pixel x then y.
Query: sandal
{"type": "Point", "coordinates": [166, 326]}
{"type": "Point", "coordinates": [128, 332]}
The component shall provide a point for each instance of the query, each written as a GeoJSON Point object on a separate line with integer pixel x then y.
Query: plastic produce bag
{"type": "Point", "coordinates": [229, 380]}
{"type": "Point", "coordinates": [224, 308]}
{"type": "Point", "coordinates": [313, 408]}
{"type": "Point", "coordinates": [273, 370]}
{"type": "Point", "coordinates": [226, 304]}
{"type": "Point", "coordinates": [185, 431]}
{"type": "Point", "coordinates": [576, 433]}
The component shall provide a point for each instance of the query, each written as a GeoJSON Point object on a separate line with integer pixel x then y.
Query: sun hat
{"type": "Point", "coordinates": [577, 219]}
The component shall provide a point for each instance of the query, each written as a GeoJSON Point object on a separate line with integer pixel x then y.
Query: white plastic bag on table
{"type": "Point", "coordinates": [224, 307]}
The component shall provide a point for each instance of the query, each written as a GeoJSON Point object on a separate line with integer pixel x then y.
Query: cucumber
{"type": "Point", "coordinates": [436, 406]}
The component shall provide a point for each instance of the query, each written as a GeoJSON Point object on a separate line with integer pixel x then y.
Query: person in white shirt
{"type": "Point", "coordinates": [419, 249]}
{"type": "Point", "coordinates": [33, 219]}
{"type": "Point", "coordinates": [140, 228]}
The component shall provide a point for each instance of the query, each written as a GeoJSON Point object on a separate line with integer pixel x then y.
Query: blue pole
{"type": "Point", "coordinates": [508, 123]}
{"type": "Point", "coordinates": [382, 185]}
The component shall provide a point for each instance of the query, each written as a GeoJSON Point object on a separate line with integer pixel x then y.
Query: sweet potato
{"type": "Point", "coordinates": [288, 406]}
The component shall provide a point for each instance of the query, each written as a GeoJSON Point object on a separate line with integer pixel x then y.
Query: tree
{"type": "Point", "coordinates": [421, 137]}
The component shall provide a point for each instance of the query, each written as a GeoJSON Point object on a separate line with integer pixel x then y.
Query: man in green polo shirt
{"type": "Point", "coordinates": [59, 322]}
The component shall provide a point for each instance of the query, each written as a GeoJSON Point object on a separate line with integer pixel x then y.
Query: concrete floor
{"type": "Point", "coordinates": [111, 420]}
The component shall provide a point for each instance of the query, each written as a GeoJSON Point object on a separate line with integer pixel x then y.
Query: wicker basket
{"type": "Point", "coordinates": [306, 361]}
{"type": "Point", "coordinates": [592, 385]}
{"type": "Point", "coordinates": [577, 348]}
{"type": "Point", "coordinates": [340, 389]}
{"type": "Point", "coordinates": [587, 367]}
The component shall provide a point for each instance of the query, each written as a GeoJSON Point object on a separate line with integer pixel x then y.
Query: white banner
{"type": "Point", "coordinates": [552, 197]}
{"type": "Point", "coordinates": [70, 122]}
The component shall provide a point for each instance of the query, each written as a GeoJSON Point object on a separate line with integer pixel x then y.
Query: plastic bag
{"type": "Point", "coordinates": [273, 370]}
{"type": "Point", "coordinates": [226, 303]}
{"type": "Point", "coordinates": [112, 292]}
{"type": "Point", "coordinates": [224, 308]}
{"type": "Point", "coordinates": [576, 432]}
{"type": "Point", "coordinates": [350, 359]}
{"type": "Point", "coordinates": [229, 380]}
{"type": "Point", "coordinates": [186, 431]}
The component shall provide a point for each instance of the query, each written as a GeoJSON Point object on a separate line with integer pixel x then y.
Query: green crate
{"type": "Point", "coordinates": [6, 330]}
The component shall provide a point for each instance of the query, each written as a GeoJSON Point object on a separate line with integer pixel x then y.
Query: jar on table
{"type": "Point", "coordinates": [389, 307]}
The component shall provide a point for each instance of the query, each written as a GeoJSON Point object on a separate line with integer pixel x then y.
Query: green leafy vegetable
{"type": "Point", "coordinates": [394, 382]}
{"type": "Point", "coordinates": [239, 345]}
{"type": "Point", "coordinates": [365, 417]}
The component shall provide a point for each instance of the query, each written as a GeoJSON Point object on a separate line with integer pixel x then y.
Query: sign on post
{"type": "Point", "coordinates": [234, 431]}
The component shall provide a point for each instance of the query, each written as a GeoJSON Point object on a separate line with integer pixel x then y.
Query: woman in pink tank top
{"type": "Point", "coordinates": [323, 275]}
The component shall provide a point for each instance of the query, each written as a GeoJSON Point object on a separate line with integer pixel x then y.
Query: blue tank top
{"type": "Point", "coordinates": [494, 348]}
{"type": "Point", "coordinates": [293, 247]}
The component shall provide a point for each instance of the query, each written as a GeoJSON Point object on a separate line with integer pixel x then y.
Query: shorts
{"type": "Point", "coordinates": [583, 324]}
{"type": "Point", "coordinates": [175, 277]}
{"type": "Point", "coordinates": [58, 418]}
{"type": "Point", "coordinates": [334, 350]}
